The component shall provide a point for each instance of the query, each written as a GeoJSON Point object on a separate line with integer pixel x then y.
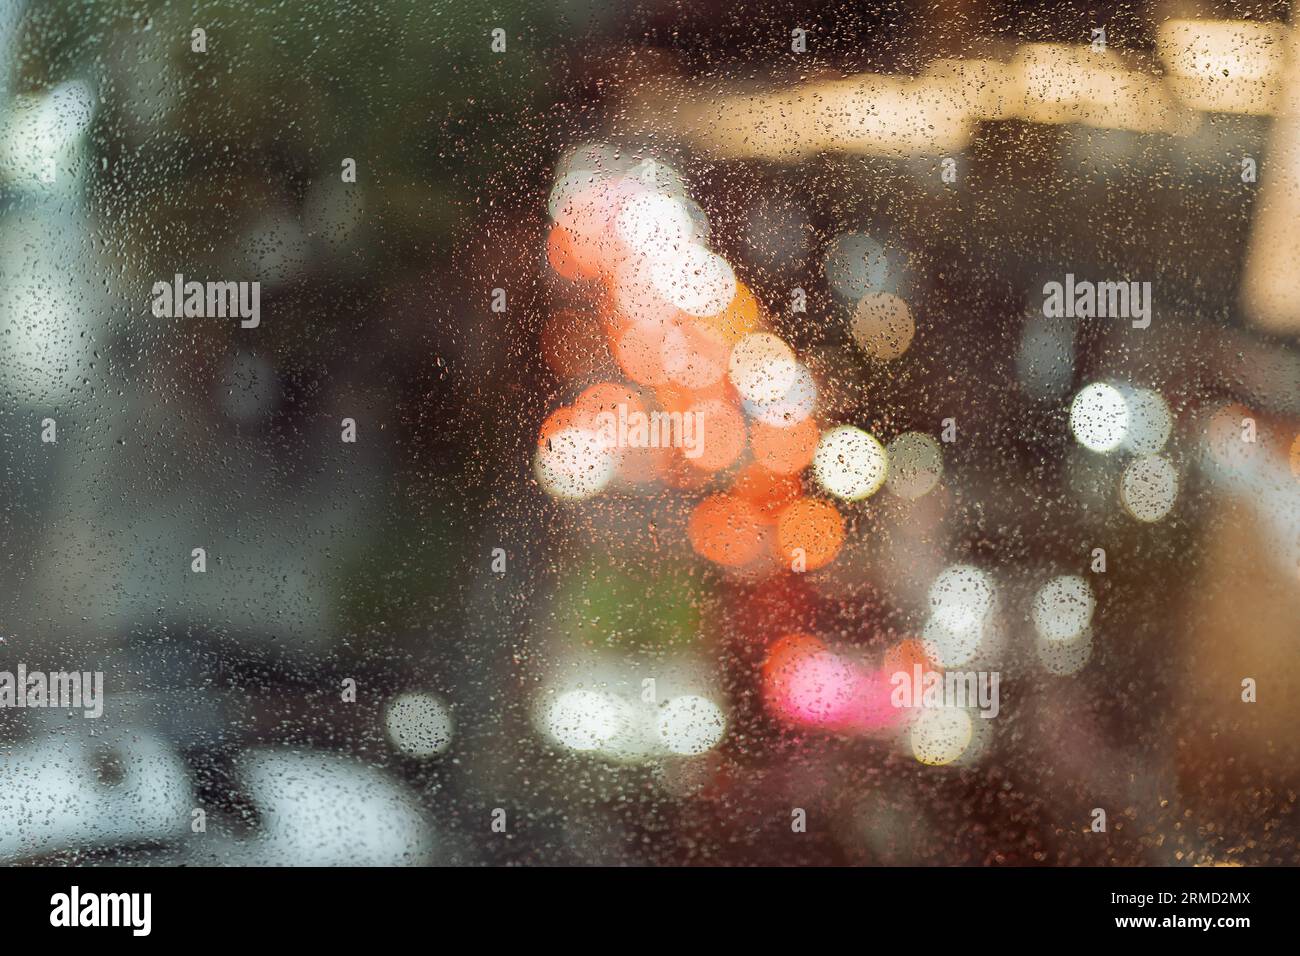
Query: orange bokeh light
{"type": "Point", "coordinates": [725, 530]}
{"type": "Point", "coordinates": [723, 430]}
{"type": "Point", "coordinates": [785, 450]}
{"type": "Point", "coordinates": [812, 528]}
{"type": "Point", "coordinates": [560, 254]}
{"type": "Point", "coordinates": [605, 397]}
{"type": "Point", "coordinates": [695, 356]}
{"type": "Point", "coordinates": [640, 354]}
{"type": "Point", "coordinates": [768, 492]}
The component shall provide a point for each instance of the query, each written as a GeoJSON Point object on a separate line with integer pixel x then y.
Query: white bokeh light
{"type": "Point", "coordinates": [587, 719]}
{"type": "Point", "coordinates": [40, 132]}
{"type": "Point", "coordinates": [574, 464]}
{"type": "Point", "coordinates": [695, 280]}
{"type": "Point", "coordinates": [1099, 417]}
{"type": "Point", "coordinates": [763, 368]}
{"type": "Point", "coordinates": [850, 463]}
{"type": "Point", "coordinates": [940, 735]}
{"type": "Point", "coordinates": [1149, 421]}
{"type": "Point", "coordinates": [418, 724]}
{"type": "Point", "coordinates": [653, 226]}
{"type": "Point", "coordinates": [1063, 608]}
{"type": "Point", "coordinates": [793, 407]}
{"type": "Point", "coordinates": [1149, 487]}
{"type": "Point", "coordinates": [690, 725]}
{"type": "Point", "coordinates": [962, 600]}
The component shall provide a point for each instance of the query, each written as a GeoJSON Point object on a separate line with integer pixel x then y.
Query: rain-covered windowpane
{"type": "Point", "coordinates": [561, 432]}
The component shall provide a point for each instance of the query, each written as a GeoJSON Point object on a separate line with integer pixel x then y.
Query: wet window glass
{"type": "Point", "coordinates": [569, 433]}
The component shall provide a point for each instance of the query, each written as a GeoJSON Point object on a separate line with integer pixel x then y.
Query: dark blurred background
{"type": "Point", "coordinates": [373, 561]}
